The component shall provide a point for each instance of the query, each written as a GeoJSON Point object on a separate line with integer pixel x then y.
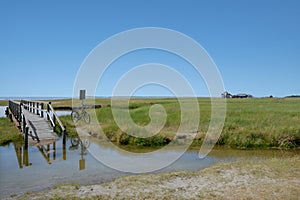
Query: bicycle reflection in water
{"type": "Point", "coordinates": [84, 144]}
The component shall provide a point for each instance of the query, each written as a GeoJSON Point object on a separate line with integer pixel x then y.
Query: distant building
{"type": "Point", "coordinates": [226, 95]}
{"type": "Point", "coordinates": [241, 96]}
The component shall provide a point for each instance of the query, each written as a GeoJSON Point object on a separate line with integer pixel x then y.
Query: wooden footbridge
{"type": "Point", "coordinates": [37, 120]}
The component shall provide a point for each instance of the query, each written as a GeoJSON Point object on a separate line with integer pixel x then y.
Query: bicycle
{"type": "Point", "coordinates": [76, 115]}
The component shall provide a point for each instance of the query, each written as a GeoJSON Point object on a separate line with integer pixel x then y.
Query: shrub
{"type": "Point", "coordinates": [125, 139]}
{"type": "Point", "coordinates": [111, 132]}
{"type": "Point", "coordinates": [152, 141]}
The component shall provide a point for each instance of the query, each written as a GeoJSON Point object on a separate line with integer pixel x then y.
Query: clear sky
{"type": "Point", "coordinates": [255, 44]}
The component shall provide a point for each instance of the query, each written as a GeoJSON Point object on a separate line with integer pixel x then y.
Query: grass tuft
{"type": "Point", "coordinates": [8, 132]}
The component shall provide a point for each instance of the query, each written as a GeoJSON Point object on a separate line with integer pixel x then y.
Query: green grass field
{"type": "Point", "coordinates": [250, 123]}
{"type": "Point", "coordinates": [3, 103]}
{"type": "Point", "coordinates": [8, 132]}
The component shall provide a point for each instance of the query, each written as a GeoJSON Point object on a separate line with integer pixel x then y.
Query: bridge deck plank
{"type": "Point", "coordinates": [39, 127]}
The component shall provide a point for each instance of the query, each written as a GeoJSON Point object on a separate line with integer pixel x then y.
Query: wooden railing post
{"type": "Point", "coordinates": [20, 113]}
{"type": "Point", "coordinates": [48, 110]}
{"type": "Point", "coordinates": [54, 124]}
{"type": "Point", "coordinates": [6, 111]}
{"type": "Point", "coordinates": [33, 111]}
{"type": "Point", "coordinates": [37, 108]}
{"type": "Point", "coordinates": [42, 110]}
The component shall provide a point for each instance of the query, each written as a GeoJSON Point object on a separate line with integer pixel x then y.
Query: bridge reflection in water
{"type": "Point", "coordinates": [49, 151]}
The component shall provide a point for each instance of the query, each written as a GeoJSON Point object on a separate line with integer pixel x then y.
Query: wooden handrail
{"type": "Point", "coordinates": [50, 119]}
{"type": "Point", "coordinates": [37, 107]}
{"type": "Point", "coordinates": [57, 118]}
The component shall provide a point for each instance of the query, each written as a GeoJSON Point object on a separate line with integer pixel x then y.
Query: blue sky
{"type": "Point", "coordinates": [255, 44]}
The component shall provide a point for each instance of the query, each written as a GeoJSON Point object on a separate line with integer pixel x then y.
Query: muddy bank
{"type": "Point", "coordinates": [277, 178]}
{"type": "Point", "coordinates": [70, 107]}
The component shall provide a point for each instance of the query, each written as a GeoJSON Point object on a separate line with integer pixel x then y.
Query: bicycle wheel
{"type": "Point", "coordinates": [74, 141]}
{"type": "Point", "coordinates": [75, 116]}
{"type": "Point", "coordinates": [86, 117]}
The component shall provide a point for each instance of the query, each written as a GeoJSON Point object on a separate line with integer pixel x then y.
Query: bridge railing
{"type": "Point", "coordinates": [44, 109]}
{"type": "Point", "coordinates": [16, 109]}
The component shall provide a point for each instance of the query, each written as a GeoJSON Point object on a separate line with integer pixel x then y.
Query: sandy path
{"type": "Point", "coordinates": [268, 179]}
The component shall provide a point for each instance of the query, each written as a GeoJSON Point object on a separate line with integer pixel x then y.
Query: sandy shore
{"type": "Point", "coordinates": [267, 179]}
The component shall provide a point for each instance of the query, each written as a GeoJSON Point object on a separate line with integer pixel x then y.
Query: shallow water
{"type": "Point", "coordinates": [2, 111]}
{"type": "Point", "coordinates": [58, 112]}
{"type": "Point", "coordinates": [34, 170]}
{"type": "Point", "coordinates": [63, 112]}
{"type": "Point", "coordinates": [69, 165]}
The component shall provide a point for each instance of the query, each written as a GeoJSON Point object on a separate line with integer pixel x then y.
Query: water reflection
{"type": "Point", "coordinates": [67, 161]}
{"type": "Point", "coordinates": [84, 144]}
{"type": "Point", "coordinates": [22, 155]}
{"type": "Point", "coordinates": [46, 148]}
{"type": "Point", "coordinates": [49, 151]}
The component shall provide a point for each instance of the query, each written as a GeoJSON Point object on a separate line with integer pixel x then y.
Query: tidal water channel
{"type": "Point", "coordinates": [41, 168]}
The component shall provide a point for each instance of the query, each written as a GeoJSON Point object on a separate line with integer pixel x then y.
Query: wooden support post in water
{"type": "Point", "coordinates": [48, 153]}
{"type": "Point", "coordinates": [64, 144]}
{"type": "Point", "coordinates": [54, 150]}
{"type": "Point", "coordinates": [25, 157]}
{"type": "Point", "coordinates": [24, 124]}
{"type": "Point", "coordinates": [26, 138]}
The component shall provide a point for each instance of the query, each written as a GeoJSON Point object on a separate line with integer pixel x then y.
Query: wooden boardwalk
{"type": "Point", "coordinates": [40, 129]}
{"type": "Point", "coordinates": [37, 124]}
